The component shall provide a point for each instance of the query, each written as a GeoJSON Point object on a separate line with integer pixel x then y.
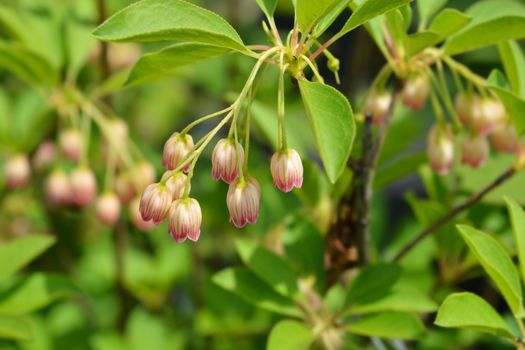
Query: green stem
{"type": "Point", "coordinates": [203, 119]}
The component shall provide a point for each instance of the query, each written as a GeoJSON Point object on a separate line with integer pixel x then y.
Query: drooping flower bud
{"type": "Point", "coordinates": [83, 185]}
{"type": "Point", "coordinates": [184, 220]}
{"type": "Point", "coordinates": [225, 160]}
{"type": "Point", "coordinates": [243, 201]}
{"type": "Point", "coordinates": [377, 105]}
{"type": "Point", "coordinates": [145, 173]}
{"type": "Point", "coordinates": [488, 115]}
{"type": "Point", "coordinates": [287, 170]}
{"type": "Point", "coordinates": [124, 187]}
{"type": "Point", "coordinates": [107, 208]}
{"type": "Point", "coordinates": [175, 150]}
{"type": "Point", "coordinates": [155, 203]}
{"type": "Point", "coordinates": [175, 183]}
{"type": "Point", "coordinates": [136, 217]}
{"type": "Point", "coordinates": [415, 92]}
{"type": "Point", "coordinates": [475, 150]}
{"type": "Point", "coordinates": [58, 188]}
{"type": "Point", "coordinates": [440, 149]}
{"type": "Point", "coordinates": [44, 155]}
{"type": "Point", "coordinates": [505, 139]}
{"type": "Point", "coordinates": [17, 171]}
{"type": "Point", "coordinates": [71, 144]}
{"type": "Point", "coordinates": [463, 107]}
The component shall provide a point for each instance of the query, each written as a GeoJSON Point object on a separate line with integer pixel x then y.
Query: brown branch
{"type": "Point", "coordinates": [454, 212]}
{"type": "Point", "coordinates": [349, 237]}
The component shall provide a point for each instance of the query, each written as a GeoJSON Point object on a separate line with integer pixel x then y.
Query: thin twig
{"type": "Point", "coordinates": [454, 212]}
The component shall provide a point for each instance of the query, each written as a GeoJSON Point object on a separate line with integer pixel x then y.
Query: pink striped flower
{"type": "Point", "coordinates": [71, 144]}
{"type": "Point", "coordinates": [464, 104]}
{"type": "Point", "coordinates": [505, 139]}
{"type": "Point", "coordinates": [243, 201]}
{"type": "Point", "coordinates": [45, 155]}
{"type": "Point", "coordinates": [376, 106]}
{"type": "Point", "coordinates": [487, 115]}
{"type": "Point", "coordinates": [184, 220]}
{"type": "Point", "coordinates": [57, 188]}
{"type": "Point", "coordinates": [415, 92]}
{"type": "Point", "coordinates": [225, 160]}
{"type": "Point", "coordinates": [475, 150]}
{"type": "Point", "coordinates": [136, 217]}
{"type": "Point", "coordinates": [287, 170]}
{"type": "Point", "coordinates": [155, 203]}
{"type": "Point", "coordinates": [83, 185]}
{"type": "Point", "coordinates": [107, 208]}
{"type": "Point", "coordinates": [175, 150]}
{"type": "Point", "coordinates": [175, 183]}
{"type": "Point", "coordinates": [440, 149]}
{"type": "Point", "coordinates": [17, 171]}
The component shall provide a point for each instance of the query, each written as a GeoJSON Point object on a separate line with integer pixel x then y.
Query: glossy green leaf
{"type": "Point", "coordinates": [467, 310]}
{"type": "Point", "coordinates": [329, 19]}
{"type": "Point", "coordinates": [367, 287]}
{"type": "Point", "coordinates": [492, 22]}
{"type": "Point", "coordinates": [158, 20]}
{"type": "Point", "coordinates": [250, 287]}
{"type": "Point", "coordinates": [17, 253]}
{"type": "Point", "coordinates": [517, 216]}
{"type": "Point", "coordinates": [394, 325]}
{"type": "Point", "coordinates": [267, 6]}
{"type": "Point", "coordinates": [417, 42]}
{"type": "Point", "coordinates": [166, 61]}
{"type": "Point", "coordinates": [14, 327]}
{"type": "Point", "coordinates": [514, 106]}
{"type": "Point", "coordinates": [497, 263]}
{"type": "Point", "coordinates": [35, 292]}
{"type": "Point", "coordinates": [368, 10]}
{"type": "Point", "coordinates": [27, 65]}
{"type": "Point", "coordinates": [268, 266]}
{"type": "Point", "coordinates": [308, 13]}
{"type": "Point", "coordinates": [290, 335]}
{"type": "Point", "coordinates": [402, 299]}
{"type": "Point", "coordinates": [427, 9]}
{"type": "Point", "coordinates": [448, 22]}
{"type": "Point", "coordinates": [333, 124]}
{"type": "Point", "coordinates": [513, 61]}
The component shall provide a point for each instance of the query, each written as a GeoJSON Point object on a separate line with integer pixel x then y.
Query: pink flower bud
{"type": "Point", "coordinates": [475, 150]}
{"type": "Point", "coordinates": [415, 92]}
{"type": "Point", "coordinates": [287, 170]}
{"type": "Point", "coordinates": [84, 186]}
{"type": "Point", "coordinates": [184, 220]}
{"type": "Point", "coordinates": [243, 201]}
{"type": "Point", "coordinates": [464, 104]}
{"type": "Point", "coordinates": [44, 155]}
{"type": "Point", "coordinates": [155, 203]}
{"type": "Point", "coordinates": [118, 129]}
{"type": "Point", "coordinates": [71, 144]}
{"type": "Point", "coordinates": [145, 173]}
{"type": "Point", "coordinates": [440, 149]}
{"type": "Point", "coordinates": [377, 105]}
{"type": "Point", "coordinates": [124, 187]}
{"type": "Point", "coordinates": [17, 171]}
{"type": "Point", "coordinates": [175, 183]}
{"type": "Point", "coordinates": [136, 217]}
{"type": "Point", "coordinates": [108, 208]}
{"type": "Point", "coordinates": [505, 139]}
{"type": "Point", "coordinates": [488, 115]}
{"type": "Point", "coordinates": [58, 188]}
{"type": "Point", "coordinates": [225, 160]}
{"type": "Point", "coordinates": [175, 150]}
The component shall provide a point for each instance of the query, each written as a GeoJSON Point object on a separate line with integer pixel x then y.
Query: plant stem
{"type": "Point", "coordinates": [506, 175]}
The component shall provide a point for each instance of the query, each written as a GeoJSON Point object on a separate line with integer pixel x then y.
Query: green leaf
{"type": "Point", "coordinates": [448, 22]}
{"type": "Point", "coordinates": [329, 19]}
{"type": "Point", "coordinates": [517, 216]}
{"type": "Point", "coordinates": [396, 27]}
{"type": "Point", "coordinates": [427, 9]}
{"type": "Point", "coordinates": [27, 65]}
{"type": "Point", "coordinates": [368, 10]}
{"type": "Point", "coordinates": [290, 335]}
{"type": "Point", "coordinates": [308, 13]}
{"type": "Point", "coordinates": [394, 325]}
{"type": "Point", "coordinates": [35, 292]}
{"type": "Point", "coordinates": [408, 300]}
{"type": "Point", "coordinates": [17, 253]}
{"type": "Point", "coordinates": [417, 42]}
{"type": "Point", "coordinates": [497, 263]}
{"type": "Point", "coordinates": [333, 124]}
{"type": "Point", "coordinates": [513, 61]}
{"type": "Point", "coordinates": [159, 20]}
{"type": "Point", "coordinates": [267, 6]}
{"type": "Point", "coordinates": [514, 106]}
{"type": "Point", "coordinates": [493, 22]}
{"type": "Point", "coordinates": [14, 327]}
{"type": "Point", "coordinates": [268, 266]}
{"type": "Point", "coordinates": [166, 61]}
{"type": "Point", "coordinates": [467, 310]}
{"type": "Point", "coordinates": [367, 287]}
{"type": "Point", "coordinates": [250, 287]}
